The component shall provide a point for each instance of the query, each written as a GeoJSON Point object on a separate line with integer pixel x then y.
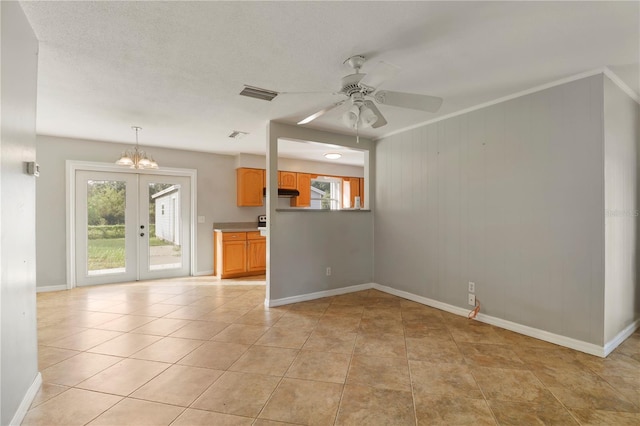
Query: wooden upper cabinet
{"type": "Point", "coordinates": [354, 184]}
{"type": "Point", "coordinates": [249, 186]}
{"type": "Point", "coordinates": [361, 192]}
{"type": "Point", "coordinates": [287, 180]}
{"type": "Point", "coordinates": [304, 187]}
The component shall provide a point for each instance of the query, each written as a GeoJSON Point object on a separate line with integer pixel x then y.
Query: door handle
{"type": "Point", "coordinates": [141, 226]}
{"type": "Point", "coordinates": [142, 234]}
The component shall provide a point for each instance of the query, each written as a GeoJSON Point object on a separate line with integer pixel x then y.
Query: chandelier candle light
{"type": "Point", "coordinates": [136, 158]}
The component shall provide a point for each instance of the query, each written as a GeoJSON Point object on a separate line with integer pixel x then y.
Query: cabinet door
{"type": "Point", "coordinates": [361, 192]}
{"type": "Point", "coordinates": [257, 255]}
{"type": "Point", "coordinates": [234, 254]}
{"type": "Point", "coordinates": [287, 180]}
{"type": "Point", "coordinates": [249, 185]}
{"type": "Point", "coordinates": [354, 184]}
{"type": "Point", "coordinates": [304, 187]}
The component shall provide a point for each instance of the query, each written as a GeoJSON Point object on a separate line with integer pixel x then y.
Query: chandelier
{"type": "Point", "coordinates": [136, 158]}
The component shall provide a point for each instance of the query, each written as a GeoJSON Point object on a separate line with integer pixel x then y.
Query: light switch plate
{"type": "Point", "coordinates": [201, 219]}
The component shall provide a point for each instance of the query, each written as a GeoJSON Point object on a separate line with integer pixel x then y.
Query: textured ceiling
{"type": "Point", "coordinates": [176, 68]}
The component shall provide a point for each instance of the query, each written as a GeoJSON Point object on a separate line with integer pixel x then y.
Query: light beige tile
{"type": "Point", "coordinates": [133, 412]}
{"type": "Point", "coordinates": [158, 310]}
{"type": "Point", "coordinates": [216, 355]}
{"type": "Point", "coordinates": [55, 332]}
{"type": "Point", "coordinates": [189, 312]}
{"type": "Point", "coordinates": [73, 407]}
{"type": "Point", "coordinates": [193, 417]}
{"type": "Point", "coordinates": [124, 377]}
{"type": "Point", "coordinates": [161, 326]}
{"type": "Point", "coordinates": [238, 393]}
{"type": "Point", "coordinates": [125, 345]}
{"type": "Point", "coordinates": [85, 339]}
{"type": "Point", "coordinates": [125, 323]}
{"type": "Point", "coordinates": [46, 392]}
{"type": "Point", "coordinates": [178, 385]}
{"type": "Point", "coordinates": [320, 366]}
{"type": "Point", "coordinates": [168, 349]}
{"type": "Point", "coordinates": [336, 323]}
{"type": "Point", "coordinates": [379, 372]}
{"type": "Point", "coordinates": [297, 322]}
{"type": "Point", "coordinates": [200, 330]}
{"type": "Point", "coordinates": [259, 317]}
{"type": "Point", "coordinates": [265, 360]}
{"type": "Point", "coordinates": [48, 356]}
{"type": "Point", "coordinates": [597, 396]}
{"type": "Point", "coordinates": [305, 402]}
{"type": "Point", "coordinates": [240, 333]}
{"type": "Point", "coordinates": [364, 405]}
{"type": "Point", "coordinates": [74, 370]}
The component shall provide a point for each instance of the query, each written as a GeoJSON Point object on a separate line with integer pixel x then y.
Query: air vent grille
{"type": "Point", "coordinates": [258, 93]}
{"type": "Point", "coordinates": [237, 134]}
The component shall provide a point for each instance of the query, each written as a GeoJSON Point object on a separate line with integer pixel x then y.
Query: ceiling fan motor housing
{"type": "Point", "coordinates": [350, 85]}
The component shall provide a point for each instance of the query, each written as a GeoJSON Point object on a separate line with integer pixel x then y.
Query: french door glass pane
{"type": "Point", "coordinates": [106, 203]}
{"type": "Point", "coordinates": [165, 224]}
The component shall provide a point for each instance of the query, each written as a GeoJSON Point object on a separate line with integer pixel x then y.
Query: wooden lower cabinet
{"type": "Point", "coordinates": [239, 254]}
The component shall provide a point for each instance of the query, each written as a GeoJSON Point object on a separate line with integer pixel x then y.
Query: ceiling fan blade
{"type": "Point", "coordinates": [381, 120]}
{"type": "Point", "coordinates": [312, 117]}
{"type": "Point", "coordinates": [381, 73]}
{"type": "Point", "coordinates": [408, 100]}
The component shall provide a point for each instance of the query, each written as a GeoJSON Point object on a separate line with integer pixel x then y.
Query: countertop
{"type": "Point", "coordinates": [255, 228]}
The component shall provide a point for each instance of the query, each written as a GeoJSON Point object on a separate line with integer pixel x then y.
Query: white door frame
{"type": "Point", "coordinates": [72, 166]}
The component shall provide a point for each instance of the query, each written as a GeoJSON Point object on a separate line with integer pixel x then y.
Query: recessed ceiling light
{"type": "Point", "coordinates": [332, 155]}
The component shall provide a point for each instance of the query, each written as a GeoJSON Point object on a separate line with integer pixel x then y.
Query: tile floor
{"type": "Point", "coordinates": [193, 352]}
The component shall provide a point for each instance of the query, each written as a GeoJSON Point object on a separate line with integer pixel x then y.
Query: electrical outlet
{"type": "Point", "coordinates": [472, 287]}
{"type": "Point", "coordinates": [472, 299]}
{"type": "Point", "coordinates": [328, 270]}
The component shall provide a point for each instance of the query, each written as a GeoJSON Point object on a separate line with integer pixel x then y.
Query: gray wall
{"type": "Point", "coordinates": [19, 356]}
{"type": "Point", "coordinates": [621, 138]}
{"type": "Point", "coordinates": [511, 197]}
{"type": "Point", "coordinates": [216, 197]}
{"type": "Point", "coordinates": [302, 244]}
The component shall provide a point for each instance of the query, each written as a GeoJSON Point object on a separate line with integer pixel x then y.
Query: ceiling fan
{"type": "Point", "coordinates": [359, 88]}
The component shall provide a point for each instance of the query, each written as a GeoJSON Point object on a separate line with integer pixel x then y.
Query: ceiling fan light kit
{"type": "Point", "coordinates": [362, 112]}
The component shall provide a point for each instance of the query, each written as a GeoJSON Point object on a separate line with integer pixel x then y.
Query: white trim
{"type": "Point", "coordinates": [48, 288]}
{"type": "Point", "coordinates": [580, 76]}
{"type": "Point", "coordinates": [72, 166]}
{"type": "Point", "coordinates": [557, 339]}
{"type": "Point", "coordinates": [621, 84]}
{"type": "Point", "coordinates": [29, 396]}
{"type": "Point", "coordinates": [621, 337]}
{"type": "Point", "coordinates": [203, 273]}
{"type": "Point", "coordinates": [317, 295]}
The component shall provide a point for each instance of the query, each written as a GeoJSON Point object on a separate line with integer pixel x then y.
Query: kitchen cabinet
{"type": "Point", "coordinates": [256, 252]}
{"type": "Point", "coordinates": [249, 187]}
{"type": "Point", "coordinates": [239, 254]}
{"type": "Point", "coordinates": [354, 184]}
{"type": "Point", "coordinates": [303, 185]}
{"type": "Point", "coordinates": [361, 181]}
{"type": "Point", "coordinates": [287, 180]}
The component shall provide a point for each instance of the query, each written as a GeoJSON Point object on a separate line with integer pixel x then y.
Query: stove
{"type": "Point", "coordinates": [262, 221]}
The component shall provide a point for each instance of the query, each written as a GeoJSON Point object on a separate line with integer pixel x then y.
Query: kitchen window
{"type": "Point", "coordinates": [326, 193]}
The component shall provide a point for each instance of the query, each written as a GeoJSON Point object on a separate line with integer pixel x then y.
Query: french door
{"type": "Point", "coordinates": [131, 227]}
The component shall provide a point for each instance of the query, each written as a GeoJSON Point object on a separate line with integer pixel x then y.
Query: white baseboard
{"type": "Point", "coordinates": [621, 337]}
{"type": "Point", "coordinates": [317, 295]}
{"type": "Point", "coordinates": [557, 339]}
{"type": "Point", "coordinates": [26, 401]}
{"type": "Point", "coordinates": [202, 273]}
{"type": "Point", "coordinates": [48, 288]}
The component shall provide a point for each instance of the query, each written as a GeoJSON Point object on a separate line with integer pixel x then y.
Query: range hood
{"type": "Point", "coordinates": [283, 193]}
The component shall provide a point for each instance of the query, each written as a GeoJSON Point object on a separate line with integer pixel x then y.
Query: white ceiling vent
{"type": "Point", "coordinates": [237, 134]}
{"type": "Point", "coordinates": [258, 93]}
